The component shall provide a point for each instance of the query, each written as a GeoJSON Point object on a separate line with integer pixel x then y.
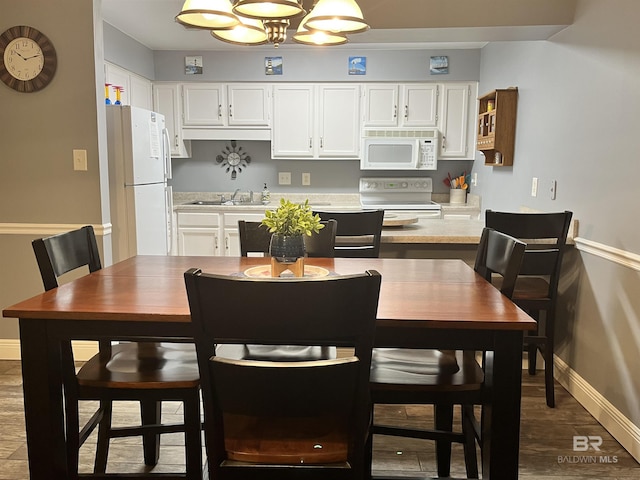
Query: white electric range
{"type": "Point", "coordinates": [399, 196]}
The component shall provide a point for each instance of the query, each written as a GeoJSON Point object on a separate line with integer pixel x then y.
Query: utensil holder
{"type": "Point", "coordinates": [457, 195]}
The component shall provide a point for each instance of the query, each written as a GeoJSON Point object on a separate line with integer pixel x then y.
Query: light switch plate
{"type": "Point", "coordinates": [534, 187]}
{"type": "Point", "coordinates": [80, 160]}
{"type": "Point", "coordinates": [554, 186]}
{"type": "Point", "coordinates": [306, 179]}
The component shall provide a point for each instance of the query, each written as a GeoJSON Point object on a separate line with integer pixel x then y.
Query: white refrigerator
{"type": "Point", "coordinates": [139, 167]}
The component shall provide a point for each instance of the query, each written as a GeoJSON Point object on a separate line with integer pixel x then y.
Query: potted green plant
{"type": "Point", "coordinates": [288, 223]}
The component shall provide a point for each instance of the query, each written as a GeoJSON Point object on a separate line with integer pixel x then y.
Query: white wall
{"type": "Point", "coordinates": [579, 104]}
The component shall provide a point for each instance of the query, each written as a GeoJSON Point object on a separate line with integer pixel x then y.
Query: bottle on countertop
{"type": "Point", "coordinates": [266, 195]}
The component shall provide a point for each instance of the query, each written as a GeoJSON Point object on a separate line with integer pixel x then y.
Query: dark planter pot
{"type": "Point", "coordinates": [286, 248]}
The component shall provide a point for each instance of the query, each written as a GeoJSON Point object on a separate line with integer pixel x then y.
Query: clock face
{"type": "Point", "coordinates": [23, 59]}
{"type": "Point", "coordinates": [233, 158]}
{"type": "Point", "coordinates": [28, 60]}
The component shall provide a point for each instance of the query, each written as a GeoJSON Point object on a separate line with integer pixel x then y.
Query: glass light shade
{"type": "Point", "coordinates": [209, 14]}
{"type": "Point", "coordinates": [337, 16]}
{"type": "Point", "coordinates": [317, 37]}
{"type": "Point", "coordinates": [249, 32]}
{"type": "Point", "coordinates": [268, 9]}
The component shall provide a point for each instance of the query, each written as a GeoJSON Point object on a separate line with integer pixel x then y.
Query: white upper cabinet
{"type": "Point", "coordinates": [293, 128]}
{"type": "Point", "coordinates": [204, 105]}
{"type": "Point", "coordinates": [167, 100]}
{"type": "Point", "coordinates": [136, 90]}
{"type": "Point", "coordinates": [400, 105]}
{"type": "Point", "coordinates": [316, 121]}
{"type": "Point", "coordinates": [214, 105]}
{"type": "Point", "coordinates": [249, 105]}
{"type": "Point", "coordinates": [457, 101]}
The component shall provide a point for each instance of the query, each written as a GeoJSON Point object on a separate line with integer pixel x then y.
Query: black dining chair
{"type": "Point", "coordinates": [536, 288]}
{"type": "Point", "coordinates": [255, 238]}
{"type": "Point", "coordinates": [284, 419]}
{"type": "Point", "coordinates": [359, 233]}
{"type": "Point", "coordinates": [445, 378]}
{"type": "Point", "coordinates": [146, 372]}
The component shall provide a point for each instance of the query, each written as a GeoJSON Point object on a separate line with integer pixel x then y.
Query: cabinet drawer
{"type": "Point", "coordinates": [231, 219]}
{"type": "Point", "coordinates": [198, 219]}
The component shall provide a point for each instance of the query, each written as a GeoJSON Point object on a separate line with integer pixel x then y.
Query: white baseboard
{"type": "Point", "coordinates": [82, 350]}
{"type": "Point", "coordinates": [619, 426]}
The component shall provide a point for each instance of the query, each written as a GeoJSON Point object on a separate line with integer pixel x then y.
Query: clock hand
{"type": "Point", "coordinates": [18, 53]}
{"type": "Point", "coordinates": [33, 56]}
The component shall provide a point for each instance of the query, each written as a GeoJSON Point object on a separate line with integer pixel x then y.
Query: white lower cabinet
{"type": "Point", "coordinates": [211, 234]}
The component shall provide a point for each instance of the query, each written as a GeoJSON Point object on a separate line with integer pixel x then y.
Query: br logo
{"type": "Point", "coordinates": [582, 443]}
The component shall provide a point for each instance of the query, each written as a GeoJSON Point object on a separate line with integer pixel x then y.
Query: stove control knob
{"type": "Point", "coordinates": [371, 185]}
{"type": "Point", "coordinates": [404, 185]}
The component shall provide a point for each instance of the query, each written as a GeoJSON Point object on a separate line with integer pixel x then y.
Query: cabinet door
{"type": "Point", "coordinates": [203, 105]}
{"type": "Point", "coordinates": [380, 105]}
{"type": "Point", "coordinates": [454, 120]}
{"type": "Point", "coordinates": [166, 100]}
{"type": "Point", "coordinates": [338, 121]}
{"type": "Point", "coordinates": [419, 105]}
{"type": "Point", "coordinates": [292, 131]}
{"type": "Point", "coordinates": [248, 105]}
{"type": "Point", "coordinates": [141, 95]}
{"type": "Point", "coordinates": [198, 241]}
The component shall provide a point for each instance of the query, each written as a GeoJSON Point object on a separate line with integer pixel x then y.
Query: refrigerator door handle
{"type": "Point", "coordinates": [166, 147]}
{"type": "Point", "coordinates": [168, 191]}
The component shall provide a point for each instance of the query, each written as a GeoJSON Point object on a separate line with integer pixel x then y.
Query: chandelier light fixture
{"type": "Point", "coordinates": [256, 22]}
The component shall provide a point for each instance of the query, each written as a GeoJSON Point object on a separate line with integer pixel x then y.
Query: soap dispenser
{"type": "Point", "coordinates": [266, 195]}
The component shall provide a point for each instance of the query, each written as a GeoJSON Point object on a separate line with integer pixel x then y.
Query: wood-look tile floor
{"type": "Point", "coordinates": [546, 442]}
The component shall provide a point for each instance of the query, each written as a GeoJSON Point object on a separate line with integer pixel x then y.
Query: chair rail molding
{"type": "Point", "coordinates": [613, 254]}
{"type": "Point", "coordinates": [50, 228]}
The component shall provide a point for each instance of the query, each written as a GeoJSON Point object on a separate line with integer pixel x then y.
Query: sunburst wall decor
{"type": "Point", "coordinates": [233, 158]}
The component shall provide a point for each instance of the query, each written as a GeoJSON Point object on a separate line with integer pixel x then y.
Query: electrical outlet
{"type": "Point", "coordinates": [306, 179]}
{"type": "Point", "coordinates": [474, 179]}
{"type": "Point", "coordinates": [534, 187]}
{"type": "Point", "coordinates": [284, 178]}
{"type": "Point", "coordinates": [554, 186]}
{"type": "Point", "coordinates": [80, 160]}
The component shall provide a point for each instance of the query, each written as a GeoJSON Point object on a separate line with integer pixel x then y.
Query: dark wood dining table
{"type": "Point", "coordinates": [426, 303]}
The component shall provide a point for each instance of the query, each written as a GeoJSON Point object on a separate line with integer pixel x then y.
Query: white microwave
{"type": "Point", "coordinates": [400, 150]}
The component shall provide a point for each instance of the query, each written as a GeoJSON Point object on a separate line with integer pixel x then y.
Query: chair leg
{"type": "Point", "coordinates": [443, 421]}
{"type": "Point", "coordinates": [151, 411]}
{"type": "Point", "coordinates": [532, 348]}
{"type": "Point", "coordinates": [104, 428]}
{"type": "Point", "coordinates": [548, 359]}
{"type": "Point", "coordinates": [470, 456]}
{"type": "Point", "coordinates": [193, 436]}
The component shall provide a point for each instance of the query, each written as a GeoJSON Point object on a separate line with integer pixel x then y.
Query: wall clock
{"type": "Point", "coordinates": [233, 158]}
{"type": "Point", "coordinates": [28, 60]}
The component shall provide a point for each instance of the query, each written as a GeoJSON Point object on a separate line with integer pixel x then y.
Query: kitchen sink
{"type": "Point", "coordinates": [206, 202]}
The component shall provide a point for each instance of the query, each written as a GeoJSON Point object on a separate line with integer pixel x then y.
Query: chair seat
{"type": "Point", "coordinates": [143, 365]}
{"type": "Point", "coordinates": [289, 441]}
{"type": "Point", "coordinates": [424, 370]}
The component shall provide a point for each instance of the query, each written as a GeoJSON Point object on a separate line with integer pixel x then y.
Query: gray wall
{"type": "Point", "coordinates": [122, 50]}
{"type": "Point", "coordinates": [200, 173]}
{"type": "Point", "coordinates": [577, 123]}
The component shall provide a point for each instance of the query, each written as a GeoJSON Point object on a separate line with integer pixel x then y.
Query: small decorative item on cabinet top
{"type": "Point", "coordinates": [287, 224]}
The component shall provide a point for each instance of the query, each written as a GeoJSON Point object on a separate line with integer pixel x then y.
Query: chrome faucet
{"type": "Point", "coordinates": [233, 197]}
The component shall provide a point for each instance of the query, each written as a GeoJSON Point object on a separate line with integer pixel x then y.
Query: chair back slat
{"type": "Point", "coordinates": [65, 252]}
{"type": "Point", "coordinates": [359, 233]}
{"type": "Point", "coordinates": [322, 244]}
{"type": "Point", "coordinates": [500, 254]}
{"type": "Point", "coordinates": [254, 238]}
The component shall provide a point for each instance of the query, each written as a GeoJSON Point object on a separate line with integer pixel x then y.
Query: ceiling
{"type": "Point", "coordinates": [394, 23]}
